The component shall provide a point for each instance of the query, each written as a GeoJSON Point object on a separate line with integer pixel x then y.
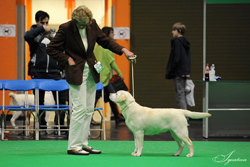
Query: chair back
{"type": "Point", "coordinates": [53, 85]}
{"type": "Point", "coordinates": [99, 86]}
{"type": "Point", "coordinates": [19, 85]}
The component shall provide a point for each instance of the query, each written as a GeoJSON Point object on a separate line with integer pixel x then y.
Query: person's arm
{"type": "Point", "coordinates": [177, 54]}
{"type": "Point", "coordinates": [33, 33]}
{"type": "Point", "coordinates": [53, 49]}
{"type": "Point", "coordinates": [116, 68]}
{"type": "Point", "coordinates": [107, 43]}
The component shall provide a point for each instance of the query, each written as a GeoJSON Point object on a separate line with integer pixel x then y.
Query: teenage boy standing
{"type": "Point", "coordinates": [179, 63]}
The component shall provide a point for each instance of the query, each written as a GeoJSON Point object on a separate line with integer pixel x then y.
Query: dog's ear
{"type": "Point", "coordinates": [121, 98]}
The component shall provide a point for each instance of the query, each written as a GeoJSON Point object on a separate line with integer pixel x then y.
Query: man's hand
{"type": "Point", "coordinates": [71, 61]}
{"type": "Point", "coordinates": [47, 28]}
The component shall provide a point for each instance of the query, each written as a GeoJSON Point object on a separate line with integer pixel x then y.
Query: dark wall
{"type": "Point", "coordinates": [228, 40]}
{"type": "Point", "coordinates": [151, 26]}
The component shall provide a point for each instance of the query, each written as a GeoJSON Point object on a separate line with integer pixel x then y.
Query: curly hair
{"type": "Point", "coordinates": [80, 13]}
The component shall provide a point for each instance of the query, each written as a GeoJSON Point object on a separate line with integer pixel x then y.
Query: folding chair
{"type": "Point", "coordinates": [99, 87]}
{"type": "Point", "coordinates": [53, 85]}
{"type": "Point", "coordinates": [18, 85]}
{"type": "Point", "coordinates": [1, 88]}
{"type": "Point", "coordinates": [2, 82]}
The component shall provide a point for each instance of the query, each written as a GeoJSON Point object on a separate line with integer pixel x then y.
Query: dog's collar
{"type": "Point", "coordinates": [127, 105]}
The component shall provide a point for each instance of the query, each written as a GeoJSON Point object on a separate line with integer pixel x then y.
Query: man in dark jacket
{"type": "Point", "coordinates": [179, 63]}
{"type": "Point", "coordinates": [41, 65]}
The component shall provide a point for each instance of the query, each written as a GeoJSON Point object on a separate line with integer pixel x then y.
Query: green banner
{"type": "Point", "coordinates": [227, 1]}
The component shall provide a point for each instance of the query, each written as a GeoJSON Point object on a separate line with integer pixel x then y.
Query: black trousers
{"type": "Point", "coordinates": [63, 96]}
{"type": "Point", "coordinates": [107, 90]}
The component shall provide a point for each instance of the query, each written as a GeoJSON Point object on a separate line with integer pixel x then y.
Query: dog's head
{"type": "Point", "coordinates": [121, 98]}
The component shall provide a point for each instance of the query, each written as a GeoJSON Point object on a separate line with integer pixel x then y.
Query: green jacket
{"type": "Point", "coordinates": [106, 57]}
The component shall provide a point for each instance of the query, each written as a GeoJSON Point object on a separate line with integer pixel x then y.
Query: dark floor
{"type": "Point", "coordinates": [122, 133]}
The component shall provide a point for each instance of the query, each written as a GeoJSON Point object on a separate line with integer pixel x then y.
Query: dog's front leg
{"type": "Point", "coordinates": [139, 137]}
{"type": "Point", "coordinates": [136, 146]}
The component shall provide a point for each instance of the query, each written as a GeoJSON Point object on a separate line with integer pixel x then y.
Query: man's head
{"type": "Point", "coordinates": [41, 18]}
{"type": "Point", "coordinates": [178, 29]}
{"type": "Point", "coordinates": [82, 16]}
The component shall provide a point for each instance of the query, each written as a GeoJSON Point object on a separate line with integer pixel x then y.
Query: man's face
{"type": "Point", "coordinates": [45, 21]}
{"type": "Point", "coordinates": [175, 33]}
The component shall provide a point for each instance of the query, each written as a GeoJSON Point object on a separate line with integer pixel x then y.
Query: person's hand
{"type": "Point", "coordinates": [127, 53]}
{"type": "Point", "coordinates": [50, 36]}
{"type": "Point", "coordinates": [47, 28]}
{"type": "Point", "coordinates": [71, 61]}
{"type": "Point", "coordinates": [122, 77]}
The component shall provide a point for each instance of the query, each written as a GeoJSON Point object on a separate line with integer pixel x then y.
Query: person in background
{"type": "Point", "coordinates": [179, 63]}
{"type": "Point", "coordinates": [41, 65]}
{"type": "Point", "coordinates": [78, 37]}
{"type": "Point", "coordinates": [106, 57]}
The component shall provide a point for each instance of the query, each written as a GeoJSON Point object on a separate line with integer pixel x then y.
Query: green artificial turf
{"type": "Point", "coordinates": [117, 154]}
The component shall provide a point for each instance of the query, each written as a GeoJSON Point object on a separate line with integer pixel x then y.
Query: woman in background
{"type": "Point", "coordinates": [106, 57]}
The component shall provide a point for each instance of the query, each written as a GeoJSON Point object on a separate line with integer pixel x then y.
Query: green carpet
{"type": "Point", "coordinates": [117, 154]}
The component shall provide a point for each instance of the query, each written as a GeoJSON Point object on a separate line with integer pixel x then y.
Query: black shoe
{"type": "Point", "coordinates": [62, 133]}
{"type": "Point", "coordinates": [43, 133]}
{"type": "Point", "coordinates": [119, 119]}
{"type": "Point", "coordinates": [94, 123]}
{"type": "Point", "coordinates": [78, 152]}
{"type": "Point", "coordinates": [92, 151]}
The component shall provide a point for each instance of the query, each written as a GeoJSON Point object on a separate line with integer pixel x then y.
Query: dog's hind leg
{"type": "Point", "coordinates": [190, 146]}
{"type": "Point", "coordinates": [139, 137]}
{"type": "Point", "coordinates": [182, 134]}
{"type": "Point", "coordinates": [179, 142]}
{"type": "Point", "coordinates": [15, 115]}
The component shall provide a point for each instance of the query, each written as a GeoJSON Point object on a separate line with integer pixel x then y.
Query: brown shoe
{"type": "Point", "coordinates": [92, 151]}
{"type": "Point", "coordinates": [78, 152]}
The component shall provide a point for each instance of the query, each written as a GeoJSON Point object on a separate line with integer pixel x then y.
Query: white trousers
{"type": "Point", "coordinates": [83, 99]}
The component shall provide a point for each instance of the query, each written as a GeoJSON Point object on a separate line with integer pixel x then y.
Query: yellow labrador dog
{"type": "Point", "coordinates": [147, 121]}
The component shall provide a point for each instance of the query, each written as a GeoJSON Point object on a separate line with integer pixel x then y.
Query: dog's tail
{"type": "Point", "coordinates": [12, 95]}
{"type": "Point", "coordinates": [196, 115]}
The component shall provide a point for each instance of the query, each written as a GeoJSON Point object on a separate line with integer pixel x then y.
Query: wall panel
{"type": "Point", "coordinates": [151, 26]}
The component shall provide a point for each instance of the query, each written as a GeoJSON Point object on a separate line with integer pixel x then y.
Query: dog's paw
{"type": "Point", "coordinates": [135, 154]}
{"type": "Point", "coordinates": [189, 155]}
{"type": "Point", "coordinates": [176, 154]}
